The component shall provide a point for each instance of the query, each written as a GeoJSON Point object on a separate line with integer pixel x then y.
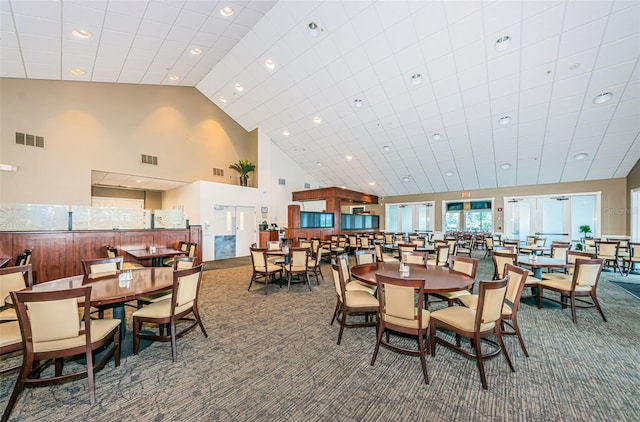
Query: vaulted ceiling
{"type": "Point", "coordinates": [388, 97]}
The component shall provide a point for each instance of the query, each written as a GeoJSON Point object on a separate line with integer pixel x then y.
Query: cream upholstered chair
{"type": "Point", "coordinates": [365, 257]}
{"type": "Point", "coordinates": [413, 257]}
{"type": "Point", "coordinates": [400, 312]}
{"type": "Point", "coordinates": [584, 282]}
{"type": "Point", "coordinates": [633, 257]}
{"type": "Point", "coordinates": [351, 301]}
{"type": "Point", "coordinates": [179, 263]}
{"type": "Point", "coordinates": [590, 245]}
{"type": "Point", "coordinates": [365, 242]}
{"type": "Point", "coordinates": [298, 266]}
{"type": "Point", "coordinates": [509, 317]}
{"type": "Point", "coordinates": [12, 279]}
{"type": "Point", "coordinates": [351, 285]}
{"type": "Point", "coordinates": [188, 248]}
{"type": "Point", "coordinates": [441, 258]}
{"type": "Point", "coordinates": [102, 266]}
{"type": "Point", "coordinates": [112, 252]}
{"type": "Point", "coordinates": [462, 265]}
{"type": "Point", "coordinates": [476, 324]}
{"type": "Point", "coordinates": [263, 270]}
{"type": "Point", "coordinates": [52, 330]}
{"type": "Point", "coordinates": [10, 342]}
{"type": "Point", "coordinates": [514, 245]}
{"type": "Point", "coordinates": [608, 251]}
{"type": "Point", "coordinates": [467, 247]}
{"type": "Point", "coordinates": [381, 255]}
{"type": "Point", "coordinates": [24, 258]}
{"type": "Point", "coordinates": [488, 242]}
{"type": "Point", "coordinates": [572, 257]}
{"type": "Point", "coordinates": [183, 302]}
{"type": "Point", "coordinates": [315, 259]}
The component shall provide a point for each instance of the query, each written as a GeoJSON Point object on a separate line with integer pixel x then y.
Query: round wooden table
{"type": "Point", "coordinates": [436, 279]}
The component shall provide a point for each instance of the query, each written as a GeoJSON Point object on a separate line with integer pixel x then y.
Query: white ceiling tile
{"type": "Point", "coordinates": [618, 51]}
{"type": "Point", "coordinates": [581, 13]}
{"type": "Point", "coordinates": [543, 25]}
{"type": "Point", "coordinates": [623, 24]}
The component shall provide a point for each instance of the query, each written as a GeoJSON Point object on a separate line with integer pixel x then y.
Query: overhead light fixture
{"type": "Point", "coordinates": [286, 132]}
{"type": "Point", "coordinates": [195, 51]}
{"type": "Point", "coordinates": [436, 137]}
{"type": "Point", "coordinates": [81, 33]}
{"type": "Point", "coordinates": [8, 167]}
{"type": "Point", "coordinates": [270, 64]}
{"type": "Point", "coordinates": [348, 157]}
{"type": "Point", "coordinates": [238, 87]}
{"type": "Point", "coordinates": [318, 163]}
{"type": "Point", "coordinates": [77, 71]}
{"type": "Point", "coordinates": [602, 98]}
{"type": "Point", "coordinates": [222, 99]}
{"type": "Point", "coordinates": [502, 43]}
{"type": "Point", "coordinates": [357, 103]}
{"type": "Point", "coordinates": [574, 66]}
{"type": "Point", "coordinates": [372, 183]}
{"type": "Point", "coordinates": [343, 187]}
{"type": "Point", "coordinates": [504, 120]}
{"type": "Point", "coordinates": [406, 179]}
{"type": "Point", "coordinates": [174, 78]}
{"type": "Point", "coordinates": [313, 29]}
{"type": "Point", "coordinates": [386, 148]}
{"type": "Point", "coordinates": [505, 166]}
{"type": "Point", "coordinates": [580, 156]}
{"type": "Point", "coordinates": [226, 11]}
{"type": "Point", "coordinates": [416, 79]}
{"type": "Point", "coordinates": [449, 173]}
{"type": "Point", "coordinates": [317, 120]}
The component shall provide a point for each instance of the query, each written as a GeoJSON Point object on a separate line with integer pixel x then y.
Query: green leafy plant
{"type": "Point", "coordinates": [586, 229]}
{"type": "Point", "coordinates": [244, 167]}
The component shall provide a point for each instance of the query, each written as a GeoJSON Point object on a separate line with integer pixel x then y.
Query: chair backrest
{"type": "Point", "coordinates": [273, 245]}
{"type": "Point", "coordinates": [102, 265]}
{"type": "Point", "coordinates": [453, 245]}
{"type": "Point", "coordinates": [540, 242]}
{"type": "Point", "coordinates": [111, 251]}
{"type": "Point", "coordinates": [12, 279]}
{"type": "Point", "coordinates": [635, 250]}
{"type": "Point", "coordinates": [413, 257]}
{"type": "Point", "coordinates": [517, 278]}
{"type": "Point", "coordinates": [607, 248]}
{"type": "Point", "coordinates": [298, 259]}
{"type": "Point", "coordinates": [574, 256]}
{"type": "Point", "coordinates": [406, 247]}
{"type": "Point", "coordinates": [388, 238]}
{"type": "Point", "coordinates": [304, 244]}
{"type": "Point", "coordinates": [586, 274]}
{"type": "Point", "coordinates": [419, 242]}
{"type": "Point", "coordinates": [489, 243]}
{"type": "Point", "coordinates": [512, 244]}
{"type": "Point", "coordinates": [23, 258]}
{"type": "Point", "coordinates": [365, 257]}
{"type": "Point", "coordinates": [48, 316]}
{"type": "Point", "coordinates": [500, 259]}
{"type": "Point", "coordinates": [365, 242]}
{"type": "Point", "coordinates": [464, 265]}
{"type": "Point", "coordinates": [559, 250]}
{"type": "Point", "coordinates": [183, 262]}
{"type": "Point", "coordinates": [491, 296]}
{"type": "Point", "coordinates": [186, 286]}
{"type": "Point", "coordinates": [531, 240]}
{"type": "Point", "coordinates": [401, 299]}
{"type": "Point", "coordinates": [259, 259]}
{"type": "Point", "coordinates": [377, 247]}
{"type": "Point", "coordinates": [438, 236]}
{"type": "Point", "coordinates": [191, 249]}
{"type": "Point", "coordinates": [442, 255]}
{"type": "Point", "coordinates": [339, 277]}
{"type": "Point", "coordinates": [183, 246]}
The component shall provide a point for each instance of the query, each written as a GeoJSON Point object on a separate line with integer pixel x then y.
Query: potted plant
{"type": "Point", "coordinates": [244, 167]}
{"type": "Point", "coordinates": [586, 229]}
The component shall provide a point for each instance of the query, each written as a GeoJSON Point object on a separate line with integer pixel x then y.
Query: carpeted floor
{"type": "Point", "coordinates": [274, 358]}
{"type": "Point", "coordinates": [632, 288]}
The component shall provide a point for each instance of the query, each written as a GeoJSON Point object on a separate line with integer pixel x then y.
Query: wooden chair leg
{"type": "Point", "coordinates": [17, 389]}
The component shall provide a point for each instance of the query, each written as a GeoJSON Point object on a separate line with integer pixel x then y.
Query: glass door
{"type": "Point", "coordinates": [548, 217]}
{"type": "Point", "coordinates": [234, 230]}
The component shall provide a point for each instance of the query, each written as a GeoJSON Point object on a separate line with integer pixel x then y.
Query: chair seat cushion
{"type": "Point", "coordinates": [552, 276]}
{"type": "Point", "coordinates": [360, 299]}
{"type": "Point", "coordinates": [359, 286]}
{"type": "Point", "coordinates": [454, 295]}
{"type": "Point", "coordinates": [471, 302]}
{"type": "Point", "coordinates": [10, 334]}
{"type": "Point", "coordinates": [564, 285]}
{"type": "Point", "coordinates": [426, 316]}
{"type": "Point", "coordinates": [156, 297]}
{"type": "Point", "coordinates": [311, 263]}
{"type": "Point", "coordinates": [161, 309]}
{"type": "Point", "coordinates": [531, 280]}
{"type": "Point", "coordinates": [100, 328]}
{"type": "Point", "coordinates": [460, 317]}
{"type": "Point", "coordinates": [131, 265]}
{"type": "Point", "coordinates": [8, 314]}
{"type": "Point", "coordinates": [296, 269]}
{"type": "Point", "coordinates": [271, 268]}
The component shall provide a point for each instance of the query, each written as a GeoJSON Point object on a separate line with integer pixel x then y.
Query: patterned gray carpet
{"type": "Point", "coordinates": [275, 358]}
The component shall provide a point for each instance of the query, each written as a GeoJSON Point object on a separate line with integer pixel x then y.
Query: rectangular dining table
{"type": "Point", "coordinates": [156, 257]}
{"type": "Point", "coordinates": [537, 263]}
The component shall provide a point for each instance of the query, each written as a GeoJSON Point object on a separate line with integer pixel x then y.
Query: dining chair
{"type": "Point", "coordinates": [23, 258]}
{"type": "Point", "coordinates": [112, 252]}
{"type": "Point", "coordinates": [608, 251]}
{"type": "Point", "coordinates": [365, 257]}
{"type": "Point", "coordinates": [350, 302]}
{"type": "Point", "coordinates": [413, 257]}
{"type": "Point", "coordinates": [441, 257]}
{"type": "Point", "coordinates": [352, 284]}
{"type": "Point", "coordinates": [467, 247]}
{"type": "Point", "coordinates": [632, 258]}
{"type": "Point", "coordinates": [400, 312]}
{"type": "Point", "coordinates": [190, 250]}
{"type": "Point", "coordinates": [314, 261]}
{"type": "Point", "coordinates": [567, 274]}
{"type": "Point", "coordinates": [583, 283]}
{"type": "Point", "coordinates": [513, 245]}
{"type": "Point", "coordinates": [96, 267]}
{"type": "Point", "coordinates": [51, 330]}
{"type": "Point", "coordinates": [476, 325]}
{"type": "Point", "coordinates": [298, 266]}
{"type": "Point", "coordinates": [183, 302]}
{"type": "Point", "coordinates": [263, 270]}
{"type": "Point", "coordinates": [10, 342]}
{"type": "Point", "coordinates": [11, 279]}
{"type": "Point", "coordinates": [488, 243]}
{"type": "Point", "coordinates": [509, 316]}
{"type": "Point", "coordinates": [179, 263]}
{"type": "Point", "coordinates": [461, 265]}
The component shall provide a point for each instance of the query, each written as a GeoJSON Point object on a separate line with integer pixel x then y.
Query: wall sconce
{"type": "Point", "coordinates": [8, 167]}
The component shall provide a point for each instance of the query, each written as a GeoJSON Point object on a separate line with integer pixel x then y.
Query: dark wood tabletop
{"type": "Point", "coordinates": [436, 279]}
{"type": "Point", "coordinates": [159, 253]}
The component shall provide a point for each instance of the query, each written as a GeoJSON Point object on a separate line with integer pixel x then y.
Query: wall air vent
{"type": "Point", "coordinates": [218, 172]}
{"type": "Point", "coordinates": [29, 140]}
{"type": "Point", "coordinates": [282, 182]}
{"type": "Point", "coordinates": [307, 185]}
{"type": "Point", "coordinates": [149, 159]}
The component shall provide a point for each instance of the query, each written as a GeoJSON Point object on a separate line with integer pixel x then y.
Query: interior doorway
{"type": "Point", "coordinates": [234, 230]}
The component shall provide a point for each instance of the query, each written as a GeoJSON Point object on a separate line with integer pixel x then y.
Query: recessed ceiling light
{"type": "Point", "coordinates": [138, 181]}
{"type": "Point", "coordinates": [226, 11]}
{"type": "Point", "coordinates": [77, 71]}
{"type": "Point", "coordinates": [504, 120]}
{"type": "Point", "coordinates": [580, 156]}
{"type": "Point", "coordinates": [371, 183]}
{"type": "Point", "coordinates": [449, 173]}
{"type": "Point", "coordinates": [386, 148]}
{"type": "Point", "coordinates": [436, 137]}
{"type": "Point", "coordinates": [574, 66]}
{"type": "Point", "coordinates": [406, 179]}
{"type": "Point", "coordinates": [174, 78]}
{"type": "Point", "coordinates": [317, 120]}
{"type": "Point", "coordinates": [318, 163]}
{"type": "Point", "coordinates": [416, 79]}
{"type": "Point", "coordinates": [222, 99]}
{"type": "Point", "coordinates": [313, 29]}
{"type": "Point", "coordinates": [195, 51]}
{"type": "Point", "coordinates": [357, 103]}
{"type": "Point", "coordinates": [502, 43]}
{"type": "Point", "coordinates": [505, 166]}
{"type": "Point", "coordinates": [81, 33]}
{"type": "Point", "coordinates": [238, 87]}
{"type": "Point", "coordinates": [286, 132]}
{"type": "Point", "coordinates": [270, 64]}
{"type": "Point", "coordinates": [348, 157]}
{"type": "Point", "coordinates": [343, 187]}
{"type": "Point", "coordinates": [603, 98]}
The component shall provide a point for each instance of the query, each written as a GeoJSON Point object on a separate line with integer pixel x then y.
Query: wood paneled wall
{"type": "Point", "coordinates": [58, 254]}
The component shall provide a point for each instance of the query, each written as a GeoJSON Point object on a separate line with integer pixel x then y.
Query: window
{"type": "Point", "coordinates": [480, 221]}
{"type": "Point", "coordinates": [452, 221]}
